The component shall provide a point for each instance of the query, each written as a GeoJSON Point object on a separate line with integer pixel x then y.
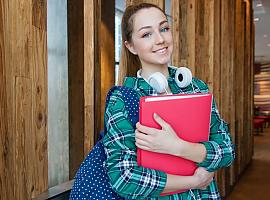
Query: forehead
{"type": "Point", "coordinates": [148, 17]}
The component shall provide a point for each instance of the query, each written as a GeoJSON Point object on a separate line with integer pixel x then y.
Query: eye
{"type": "Point", "coordinates": [165, 29]}
{"type": "Point", "coordinates": [146, 35]}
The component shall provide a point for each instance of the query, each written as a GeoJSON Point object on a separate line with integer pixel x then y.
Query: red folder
{"type": "Point", "coordinates": [189, 115]}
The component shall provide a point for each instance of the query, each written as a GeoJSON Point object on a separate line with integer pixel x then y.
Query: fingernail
{"type": "Point", "coordinates": [155, 115]}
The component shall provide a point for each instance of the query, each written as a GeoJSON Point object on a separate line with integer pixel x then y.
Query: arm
{"type": "Point", "coordinates": [166, 141]}
{"type": "Point", "coordinates": [219, 148]}
{"type": "Point", "coordinates": [216, 153]}
{"type": "Point", "coordinates": [126, 177]}
{"type": "Point", "coordinates": [200, 180]}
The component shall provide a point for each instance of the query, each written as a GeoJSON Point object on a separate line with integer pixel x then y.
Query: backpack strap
{"type": "Point", "coordinates": [131, 101]}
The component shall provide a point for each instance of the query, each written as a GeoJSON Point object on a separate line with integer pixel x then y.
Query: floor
{"type": "Point", "coordinates": [254, 184]}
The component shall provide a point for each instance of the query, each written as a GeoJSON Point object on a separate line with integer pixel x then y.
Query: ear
{"type": "Point", "coordinates": [130, 47]}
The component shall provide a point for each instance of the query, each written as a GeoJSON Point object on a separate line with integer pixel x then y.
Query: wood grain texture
{"type": "Point", "coordinates": [23, 104]}
{"type": "Point", "coordinates": [92, 73]}
{"type": "Point", "coordinates": [24, 165]}
{"type": "Point", "coordinates": [6, 137]}
{"type": "Point", "coordinates": [183, 28]}
{"type": "Point", "coordinates": [227, 107]}
{"type": "Point", "coordinates": [40, 111]}
{"type": "Point", "coordinates": [107, 63]}
{"type": "Point", "coordinates": [84, 78]}
{"type": "Point", "coordinates": [160, 3]}
{"type": "Point", "coordinates": [245, 67]}
{"type": "Point", "coordinates": [212, 44]}
{"type": "Point", "coordinates": [75, 14]}
{"type": "Point", "coordinates": [239, 79]}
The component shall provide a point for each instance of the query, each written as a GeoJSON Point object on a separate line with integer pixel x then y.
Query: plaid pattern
{"type": "Point", "coordinates": [134, 182]}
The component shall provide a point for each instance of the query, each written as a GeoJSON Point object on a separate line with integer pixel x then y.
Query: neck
{"type": "Point", "coordinates": [150, 69]}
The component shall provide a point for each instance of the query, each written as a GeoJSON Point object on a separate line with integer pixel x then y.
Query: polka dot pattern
{"type": "Point", "coordinates": [91, 180]}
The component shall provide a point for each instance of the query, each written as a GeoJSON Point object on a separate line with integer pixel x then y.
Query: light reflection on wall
{"type": "Point", "coordinates": [58, 140]}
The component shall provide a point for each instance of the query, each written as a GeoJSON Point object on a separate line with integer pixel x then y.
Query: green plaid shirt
{"type": "Point", "coordinates": [134, 182]}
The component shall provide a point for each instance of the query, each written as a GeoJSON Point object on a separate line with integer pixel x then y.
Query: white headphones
{"type": "Point", "coordinates": [183, 78]}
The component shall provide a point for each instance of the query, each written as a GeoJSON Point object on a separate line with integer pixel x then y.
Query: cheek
{"type": "Point", "coordinates": [143, 46]}
{"type": "Point", "coordinates": [169, 39]}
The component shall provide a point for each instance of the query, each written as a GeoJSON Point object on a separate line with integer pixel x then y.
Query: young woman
{"type": "Point", "coordinates": [148, 43]}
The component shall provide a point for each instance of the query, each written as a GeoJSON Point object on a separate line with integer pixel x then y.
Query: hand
{"type": "Point", "coordinates": [156, 140]}
{"type": "Point", "coordinates": [202, 178]}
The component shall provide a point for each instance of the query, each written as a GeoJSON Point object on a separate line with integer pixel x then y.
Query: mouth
{"type": "Point", "coordinates": [161, 51]}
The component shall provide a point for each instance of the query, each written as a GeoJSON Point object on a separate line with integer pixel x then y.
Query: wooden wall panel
{"type": "Point", "coordinates": [7, 146]}
{"type": "Point", "coordinates": [209, 37]}
{"type": "Point", "coordinates": [40, 109]}
{"type": "Point", "coordinates": [23, 126]}
{"type": "Point", "coordinates": [183, 28]}
{"type": "Point", "coordinates": [24, 97]}
{"type": "Point", "coordinates": [92, 73]}
{"type": "Point", "coordinates": [239, 79]}
{"type": "Point", "coordinates": [76, 83]}
{"type": "Point", "coordinates": [196, 32]}
{"type": "Point", "coordinates": [107, 29]}
{"type": "Point", "coordinates": [249, 82]}
{"type": "Point", "coordinates": [160, 3]}
{"type": "Point", "coordinates": [252, 47]}
{"type": "Point", "coordinates": [84, 78]}
{"type": "Point", "coordinates": [245, 88]}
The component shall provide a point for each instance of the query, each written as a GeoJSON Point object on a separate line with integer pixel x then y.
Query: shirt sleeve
{"type": "Point", "coordinates": [126, 177]}
{"type": "Point", "coordinates": [220, 150]}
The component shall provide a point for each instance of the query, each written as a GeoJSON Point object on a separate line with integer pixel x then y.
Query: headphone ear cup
{"type": "Point", "coordinates": [158, 81]}
{"type": "Point", "coordinates": [183, 77]}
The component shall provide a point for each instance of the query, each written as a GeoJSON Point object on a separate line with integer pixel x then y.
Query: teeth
{"type": "Point", "coordinates": [161, 50]}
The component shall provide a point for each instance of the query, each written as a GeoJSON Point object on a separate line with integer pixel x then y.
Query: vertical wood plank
{"type": "Point", "coordinates": [216, 34]}
{"type": "Point", "coordinates": [183, 28]}
{"type": "Point", "coordinates": [251, 150]}
{"type": "Point", "coordinates": [7, 155]}
{"type": "Point", "coordinates": [227, 79]}
{"type": "Point", "coordinates": [39, 63]}
{"type": "Point", "coordinates": [249, 66]}
{"type": "Point", "coordinates": [22, 16]}
{"type": "Point", "coordinates": [231, 91]}
{"type": "Point", "coordinates": [160, 3]}
{"type": "Point", "coordinates": [92, 73]}
{"type": "Point", "coordinates": [23, 52]}
{"type": "Point", "coordinates": [84, 78]}
{"type": "Point", "coordinates": [76, 84]}
{"type": "Point", "coordinates": [245, 128]}
{"type": "Point", "coordinates": [107, 27]}
{"type": "Point", "coordinates": [23, 113]}
{"type": "Point", "coordinates": [239, 77]}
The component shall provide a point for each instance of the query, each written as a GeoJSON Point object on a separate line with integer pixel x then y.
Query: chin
{"type": "Point", "coordinates": [163, 62]}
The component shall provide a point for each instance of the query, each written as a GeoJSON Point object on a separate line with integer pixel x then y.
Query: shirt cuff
{"type": "Point", "coordinates": [210, 157]}
{"type": "Point", "coordinates": [161, 185]}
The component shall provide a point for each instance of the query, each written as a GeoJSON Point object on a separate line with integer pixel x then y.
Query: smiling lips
{"type": "Point", "coordinates": [161, 51]}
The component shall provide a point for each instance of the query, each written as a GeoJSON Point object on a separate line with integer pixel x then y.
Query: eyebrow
{"type": "Point", "coordinates": [145, 27]}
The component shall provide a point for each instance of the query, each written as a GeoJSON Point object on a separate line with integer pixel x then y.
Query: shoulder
{"type": "Point", "coordinates": [201, 85]}
{"type": "Point", "coordinates": [119, 97]}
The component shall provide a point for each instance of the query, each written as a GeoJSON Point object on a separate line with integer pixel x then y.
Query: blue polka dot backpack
{"type": "Point", "coordinates": [91, 180]}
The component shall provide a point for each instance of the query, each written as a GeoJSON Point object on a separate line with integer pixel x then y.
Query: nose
{"type": "Point", "coordinates": [159, 38]}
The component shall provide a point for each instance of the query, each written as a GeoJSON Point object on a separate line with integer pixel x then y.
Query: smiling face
{"type": "Point", "coordinates": [151, 38]}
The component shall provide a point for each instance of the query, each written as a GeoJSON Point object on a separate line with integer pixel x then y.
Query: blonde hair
{"type": "Point", "coordinates": [130, 63]}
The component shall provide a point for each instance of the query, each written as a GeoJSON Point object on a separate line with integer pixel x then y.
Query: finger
{"type": "Point", "coordinates": [161, 122]}
{"type": "Point", "coordinates": [141, 136]}
{"type": "Point", "coordinates": [145, 129]}
{"type": "Point", "coordinates": [142, 143]}
{"type": "Point", "coordinates": [142, 146]}
{"type": "Point", "coordinates": [206, 184]}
